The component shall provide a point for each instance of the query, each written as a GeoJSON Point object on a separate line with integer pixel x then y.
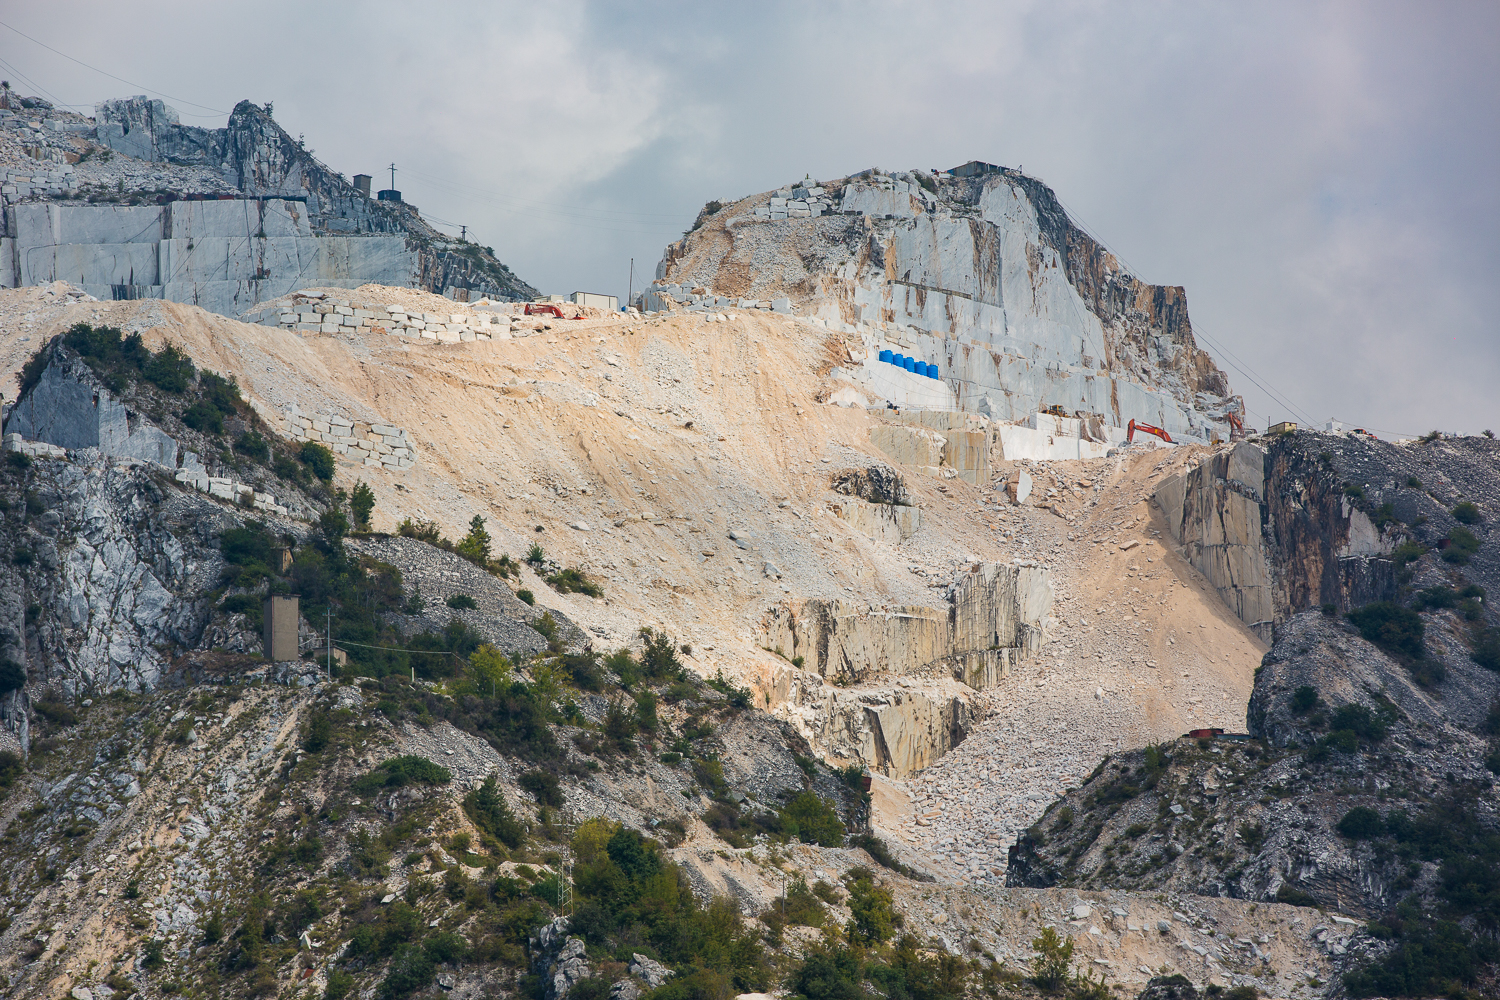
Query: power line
{"type": "Point", "coordinates": [1232, 359]}
{"type": "Point", "coordinates": [38, 88]}
{"type": "Point", "coordinates": [96, 69]}
{"type": "Point", "coordinates": [566, 209]}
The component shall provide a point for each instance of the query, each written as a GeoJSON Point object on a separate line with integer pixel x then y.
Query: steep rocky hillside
{"type": "Point", "coordinates": [132, 204]}
{"type": "Point", "coordinates": [978, 269]}
{"type": "Point", "coordinates": [923, 617]}
{"type": "Point", "coordinates": [1366, 783]}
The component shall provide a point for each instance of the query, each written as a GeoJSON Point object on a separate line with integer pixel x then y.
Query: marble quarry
{"type": "Point", "coordinates": [132, 204]}
{"type": "Point", "coordinates": [982, 275]}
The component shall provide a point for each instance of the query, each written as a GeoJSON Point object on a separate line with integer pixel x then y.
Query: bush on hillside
{"type": "Point", "coordinates": [1467, 513]}
{"type": "Point", "coordinates": [1462, 545]}
{"type": "Point", "coordinates": [1397, 630]}
{"type": "Point", "coordinates": [401, 771]}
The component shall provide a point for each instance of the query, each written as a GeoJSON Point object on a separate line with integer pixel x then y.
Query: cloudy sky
{"type": "Point", "coordinates": [1322, 178]}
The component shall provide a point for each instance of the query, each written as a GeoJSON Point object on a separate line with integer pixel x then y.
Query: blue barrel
{"type": "Point", "coordinates": [896, 359]}
{"type": "Point", "coordinates": [932, 371]}
{"type": "Point", "coordinates": [908, 364]}
{"type": "Point", "coordinates": [886, 356]}
{"type": "Point", "coordinates": [923, 368]}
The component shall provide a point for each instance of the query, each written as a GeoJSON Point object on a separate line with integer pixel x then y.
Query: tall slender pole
{"type": "Point", "coordinates": [330, 641]}
{"type": "Point", "coordinates": [630, 288]}
{"type": "Point", "coordinates": [393, 177]}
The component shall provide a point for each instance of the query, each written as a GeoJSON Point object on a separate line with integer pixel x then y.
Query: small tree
{"type": "Point", "coordinates": [487, 808]}
{"type": "Point", "coordinates": [476, 544]}
{"type": "Point", "coordinates": [872, 914]}
{"type": "Point", "coordinates": [362, 504]}
{"type": "Point", "coordinates": [1053, 959]}
{"type": "Point", "coordinates": [333, 522]}
{"type": "Point", "coordinates": [490, 669]}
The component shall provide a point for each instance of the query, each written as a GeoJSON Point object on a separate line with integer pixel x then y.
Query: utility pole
{"type": "Point", "coordinates": [393, 177]}
{"type": "Point", "coordinates": [630, 287]}
{"type": "Point", "coordinates": [463, 232]}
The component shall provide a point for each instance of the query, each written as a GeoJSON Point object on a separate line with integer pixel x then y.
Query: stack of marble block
{"type": "Point", "coordinates": [796, 203]}
{"type": "Point", "coordinates": [320, 315]}
{"type": "Point", "coordinates": [376, 445]}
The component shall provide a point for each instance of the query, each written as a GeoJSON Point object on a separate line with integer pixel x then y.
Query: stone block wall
{"type": "Point", "coordinates": [376, 445]}
{"type": "Point", "coordinates": [317, 314]}
{"type": "Point", "coordinates": [228, 489]}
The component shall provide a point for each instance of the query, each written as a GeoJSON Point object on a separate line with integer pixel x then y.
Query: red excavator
{"type": "Point", "coordinates": [1146, 429]}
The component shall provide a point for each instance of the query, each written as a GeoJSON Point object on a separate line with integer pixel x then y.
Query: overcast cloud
{"type": "Point", "coordinates": [1322, 178]}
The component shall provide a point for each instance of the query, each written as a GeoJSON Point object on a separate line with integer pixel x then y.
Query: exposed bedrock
{"type": "Point", "coordinates": [983, 274]}
{"type": "Point", "coordinates": [993, 619]}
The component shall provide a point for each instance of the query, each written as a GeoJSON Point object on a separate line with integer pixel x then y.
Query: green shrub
{"type": "Point", "coordinates": [880, 851]}
{"type": "Point", "coordinates": [12, 676]}
{"type": "Point", "coordinates": [422, 531]}
{"type": "Point", "coordinates": [872, 913]}
{"type": "Point", "coordinates": [340, 984]}
{"type": "Point", "coordinates": [1462, 544]}
{"type": "Point", "coordinates": [1362, 722]}
{"type": "Point", "coordinates": [659, 657]}
{"type": "Point", "coordinates": [400, 771]}
{"type": "Point", "coordinates": [411, 969]}
{"type": "Point", "coordinates": [526, 597]}
{"type": "Point", "coordinates": [571, 581]}
{"type": "Point", "coordinates": [1135, 830]}
{"type": "Point", "coordinates": [318, 459]}
{"type": "Point", "coordinates": [812, 820]}
{"type": "Point", "coordinates": [1361, 823]}
{"type": "Point", "coordinates": [461, 602]}
{"type": "Point", "coordinates": [1304, 699]}
{"type": "Point", "coordinates": [1467, 513]}
{"type": "Point", "coordinates": [169, 369]}
{"type": "Point", "coordinates": [475, 546]}
{"type": "Point", "coordinates": [534, 555]}
{"type": "Point", "coordinates": [487, 809]}
{"type": "Point", "coordinates": [543, 786]}
{"type": "Point", "coordinates": [1407, 552]}
{"type": "Point", "coordinates": [1487, 649]}
{"type": "Point", "coordinates": [1395, 629]}
{"type": "Point", "coordinates": [253, 446]}
{"type": "Point", "coordinates": [318, 732]}
{"type": "Point", "coordinates": [828, 975]}
{"type": "Point", "coordinates": [203, 416]}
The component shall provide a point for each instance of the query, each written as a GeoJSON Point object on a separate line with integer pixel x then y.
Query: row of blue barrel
{"type": "Point", "coordinates": [910, 364]}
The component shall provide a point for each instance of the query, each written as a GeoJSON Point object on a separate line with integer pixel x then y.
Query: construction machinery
{"type": "Point", "coordinates": [1236, 426]}
{"type": "Point", "coordinates": [1146, 429]}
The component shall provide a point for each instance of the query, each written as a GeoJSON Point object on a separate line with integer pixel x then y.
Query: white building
{"type": "Point", "coordinates": [609, 303]}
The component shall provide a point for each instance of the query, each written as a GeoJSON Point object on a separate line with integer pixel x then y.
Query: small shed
{"type": "Point", "coordinates": [609, 303]}
{"type": "Point", "coordinates": [280, 638]}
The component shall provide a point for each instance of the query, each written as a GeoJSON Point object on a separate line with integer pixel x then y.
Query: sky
{"type": "Point", "coordinates": [1320, 177]}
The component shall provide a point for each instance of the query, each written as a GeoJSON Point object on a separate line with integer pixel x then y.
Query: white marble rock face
{"type": "Point", "coordinates": [975, 283]}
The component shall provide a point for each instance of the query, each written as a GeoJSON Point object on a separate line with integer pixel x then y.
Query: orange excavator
{"type": "Point", "coordinates": [1236, 426]}
{"type": "Point", "coordinates": [1146, 429]}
